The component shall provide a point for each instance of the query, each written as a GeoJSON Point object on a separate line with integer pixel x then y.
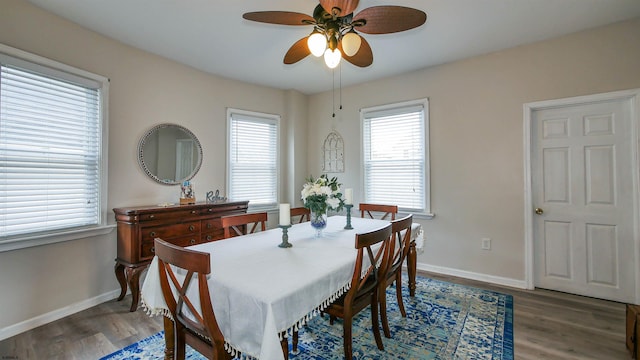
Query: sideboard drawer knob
{"type": "Point", "coordinates": [209, 225]}
{"type": "Point", "coordinates": [210, 210]}
{"type": "Point", "coordinates": [153, 234]}
{"type": "Point", "coordinates": [209, 237]}
{"type": "Point", "coordinates": [193, 211]}
{"type": "Point", "coordinates": [151, 216]}
{"type": "Point", "coordinates": [153, 249]}
{"type": "Point", "coordinates": [191, 228]}
{"type": "Point", "coordinates": [193, 241]}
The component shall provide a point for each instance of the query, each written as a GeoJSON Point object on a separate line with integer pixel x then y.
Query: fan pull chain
{"type": "Point", "coordinates": [340, 86]}
{"type": "Point", "coordinates": [333, 92]}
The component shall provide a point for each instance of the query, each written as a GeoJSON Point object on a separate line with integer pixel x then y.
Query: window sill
{"type": "Point", "coordinates": [262, 208]}
{"type": "Point", "coordinates": [421, 216]}
{"type": "Point", "coordinates": [45, 239]}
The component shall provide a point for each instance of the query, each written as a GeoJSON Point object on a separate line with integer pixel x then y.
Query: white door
{"type": "Point", "coordinates": [582, 195]}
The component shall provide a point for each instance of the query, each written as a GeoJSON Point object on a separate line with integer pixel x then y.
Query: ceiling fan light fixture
{"type": "Point", "coordinates": [351, 43]}
{"type": "Point", "coordinates": [317, 43]}
{"type": "Point", "coordinates": [337, 27]}
{"type": "Point", "coordinates": [332, 58]}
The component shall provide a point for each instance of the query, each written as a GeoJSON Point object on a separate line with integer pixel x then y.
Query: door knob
{"type": "Point", "coordinates": [539, 211]}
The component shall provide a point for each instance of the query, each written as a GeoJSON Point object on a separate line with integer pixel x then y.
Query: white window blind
{"type": "Point", "coordinates": [50, 151]}
{"type": "Point", "coordinates": [253, 158]}
{"type": "Point", "coordinates": [394, 156]}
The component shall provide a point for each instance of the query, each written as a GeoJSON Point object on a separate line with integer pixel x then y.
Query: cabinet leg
{"type": "Point", "coordinates": [122, 280]}
{"type": "Point", "coordinates": [412, 260]}
{"type": "Point", "coordinates": [133, 276]}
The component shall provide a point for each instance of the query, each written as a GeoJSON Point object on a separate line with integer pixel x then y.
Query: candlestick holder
{"type": "Point", "coordinates": [348, 226]}
{"type": "Point", "coordinates": [285, 236]}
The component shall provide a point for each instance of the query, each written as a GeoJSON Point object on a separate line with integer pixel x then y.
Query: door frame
{"type": "Point", "coordinates": [633, 96]}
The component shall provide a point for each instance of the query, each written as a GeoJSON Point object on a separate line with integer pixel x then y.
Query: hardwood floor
{"type": "Point", "coordinates": [547, 325]}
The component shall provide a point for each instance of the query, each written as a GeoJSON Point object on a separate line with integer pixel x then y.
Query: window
{"type": "Point", "coordinates": [252, 166]}
{"type": "Point", "coordinates": [395, 156]}
{"type": "Point", "coordinates": [51, 150]}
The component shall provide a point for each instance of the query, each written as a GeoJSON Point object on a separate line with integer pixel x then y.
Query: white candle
{"type": "Point", "coordinates": [285, 214]}
{"type": "Point", "coordinates": [348, 196]}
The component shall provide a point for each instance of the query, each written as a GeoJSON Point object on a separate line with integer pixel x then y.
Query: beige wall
{"type": "Point", "coordinates": [145, 90]}
{"type": "Point", "coordinates": [476, 144]}
{"type": "Point", "coordinates": [476, 114]}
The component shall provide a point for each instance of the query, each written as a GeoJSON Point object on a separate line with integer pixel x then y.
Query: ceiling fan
{"type": "Point", "coordinates": [334, 29]}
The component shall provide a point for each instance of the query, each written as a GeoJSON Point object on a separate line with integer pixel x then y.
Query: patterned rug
{"type": "Point", "coordinates": [444, 321]}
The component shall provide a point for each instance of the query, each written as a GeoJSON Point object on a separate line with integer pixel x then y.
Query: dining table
{"type": "Point", "coordinates": [261, 293]}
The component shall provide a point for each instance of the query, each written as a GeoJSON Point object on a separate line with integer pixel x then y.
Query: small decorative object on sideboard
{"type": "Point", "coordinates": [187, 195]}
{"type": "Point", "coordinates": [211, 197]}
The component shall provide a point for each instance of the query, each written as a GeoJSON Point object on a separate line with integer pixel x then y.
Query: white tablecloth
{"type": "Point", "coordinates": [260, 290]}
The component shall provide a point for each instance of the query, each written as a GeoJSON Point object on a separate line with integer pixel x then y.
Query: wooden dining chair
{"type": "Point", "coordinates": [243, 224]}
{"type": "Point", "coordinates": [368, 210]}
{"type": "Point", "coordinates": [196, 326]}
{"type": "Point", "coordinates": [303, 213]}
{"type": "Point", "coordinates": [364, 287]}
{"type": "Point", "coordinates": [392, 267]}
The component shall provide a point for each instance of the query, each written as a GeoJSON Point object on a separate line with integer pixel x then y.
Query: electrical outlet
{"type": "Point", "coordinates": [486, 244]}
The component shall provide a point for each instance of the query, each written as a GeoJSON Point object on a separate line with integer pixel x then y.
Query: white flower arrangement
{"type": "Point", "coordinates": [322, 194]}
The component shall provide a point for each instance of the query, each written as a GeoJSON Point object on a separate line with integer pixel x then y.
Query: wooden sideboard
{"type": "Point", "coordinates": [182, 225]}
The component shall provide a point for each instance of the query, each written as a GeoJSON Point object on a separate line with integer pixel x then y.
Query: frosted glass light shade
{"type": "Point", "coordinates": [351, 43]}
{"type": "Point", "coordinates": [332, 58]}
{"type": "Point", "coordinates": [317, 43]}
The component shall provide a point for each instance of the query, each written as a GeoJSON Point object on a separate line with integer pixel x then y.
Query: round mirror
{"type": "Point", "coordinates": [170, 154]}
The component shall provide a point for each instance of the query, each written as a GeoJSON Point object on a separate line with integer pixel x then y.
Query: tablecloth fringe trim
{"type": "Point", "coordinates": [235, 353]}
{"type": "Point", "coordinates": [313, 313]}
{"type": "Point", "coordinates": [155, 312]}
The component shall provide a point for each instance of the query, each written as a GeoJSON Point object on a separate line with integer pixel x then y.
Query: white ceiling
{"type": "Point", "coordinates": [212, 36]}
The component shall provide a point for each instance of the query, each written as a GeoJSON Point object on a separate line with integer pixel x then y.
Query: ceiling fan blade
{"type": "Point", "coordinates": [389, 19]}
{"type": "Point", "coordinates": [279, 17]}
{"type": "Point", "coordinates": [346, 6]}
{"type": "Point", "coordinates": [297, 51]}
{"type": "Point", "coordinates": [364, 56]}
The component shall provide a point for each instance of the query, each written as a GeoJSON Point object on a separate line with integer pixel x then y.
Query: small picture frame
{"type": "Point", "coordinates": [187, 195]}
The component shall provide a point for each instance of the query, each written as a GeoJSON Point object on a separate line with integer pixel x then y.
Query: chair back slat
{"type": "Point", "coordinates": [303, 213]}
{"type": "Point", "coordinates": [243, 224]}
{"type": "Point", "coordinates": [193, 325]}
{"type": "Point", "coordinates": [388, 211]}
{"type": "Point", "coordinates": [400, 241]}
{"type": "Point", "coordinates": [363, 280]}
{"type": "Point", "coordinates": [391, 269]}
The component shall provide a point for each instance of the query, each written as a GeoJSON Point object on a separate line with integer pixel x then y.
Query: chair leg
{"type": "Point", "coordinates": [346, 335]}
{"type": "Point", "coordinates": [284, 344]}
{"type": "Point", "coordinates": [221, 353]}
{"type": "Point", "coordinates": [374, 320]}
{"type": "Point", "coordinates": [382, 296]}
{"type": "Point", "coordinates": [295, 340]}
{"type": "Point", "coordinates": [180, 343]}
{"type": "Point", "coordinates": [399, 293]}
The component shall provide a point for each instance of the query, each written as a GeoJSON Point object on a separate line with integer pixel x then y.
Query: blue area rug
{"type": "Point", "coordinates": [444, 321]}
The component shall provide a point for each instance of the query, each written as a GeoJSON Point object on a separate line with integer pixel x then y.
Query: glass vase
{"type": "Point", "coordinates": [318, 221]}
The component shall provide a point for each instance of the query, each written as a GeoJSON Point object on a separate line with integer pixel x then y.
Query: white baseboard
{"type": "Point", "coordinates": [33, 323]}
{"type": "Point", "coordinates": [498, 280]}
